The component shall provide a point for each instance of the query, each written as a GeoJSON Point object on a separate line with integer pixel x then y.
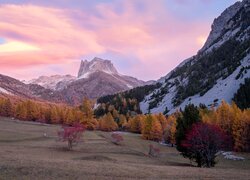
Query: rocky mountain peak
{"type": "Point", "coordinates": [95, 65]}
{"type": "Point", "coordinates": [224, 23]}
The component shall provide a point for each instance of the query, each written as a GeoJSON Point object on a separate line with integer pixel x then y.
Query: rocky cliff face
{"type": "Point", "coordinates": [96, 65]}
{"type": "Point", "coordinates": [97, 78]}
{"type": "Point", "coordinates": [215, 73]}
{"type": "Point", "coordinates": [221, 24]}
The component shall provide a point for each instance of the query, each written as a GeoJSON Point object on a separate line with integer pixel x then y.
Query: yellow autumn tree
{"type": "Point", "coordinates": [162, 119]}
{"type": "Point", "coordinates": [146, 127]}
{"type": "Point", "coordinates": [21, 111]}
{"type": "Point", "coordinates": [123, 123]}
{"type": "Point", "coordinates": [54, 115]}
{"type": "Point", "coordinates": [135, 124]}
{"type": "Point", "coordinates": [107, 123]}
{"type": "Point", "coordinates": [88, 115]}
{"type": "Point", "coordinates": [87, 110]}
{"type": "Point", "coordinates": [170, 130]}
{"type": "Point", "coordinates": [224, 117]}
{"type": "Point", "coordinates": [70, 119]}
{"type": "Point", "coordinates": [241, 132]}
{"type": "Point", "coordinates": [156, 132]}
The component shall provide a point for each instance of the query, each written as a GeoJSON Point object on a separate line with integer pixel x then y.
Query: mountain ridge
{"type": "Point", "coordinates": [214, 71]}
{"type": "Point", "coordinates": [95, 78]}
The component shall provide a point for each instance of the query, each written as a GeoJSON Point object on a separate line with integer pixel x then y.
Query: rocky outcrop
{"type": "Point", "coordinates": [97, 78]}
{"type": "Point", "coordinates": [97, 64]}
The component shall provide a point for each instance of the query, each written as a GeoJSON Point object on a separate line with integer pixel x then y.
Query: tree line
{"type": "Point", "coordinates": [158, 127]}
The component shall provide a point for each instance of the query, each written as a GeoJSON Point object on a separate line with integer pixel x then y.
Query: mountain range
{"type": "Point", "coordinates": [95, 78]}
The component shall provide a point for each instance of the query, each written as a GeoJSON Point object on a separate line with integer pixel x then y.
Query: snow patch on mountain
{"type": "Point", "coordinates": [2, 90]}
{"type": "Point", "coordinates": [55, 82]}
{"type": "Point", "coordinates": [223, 90]}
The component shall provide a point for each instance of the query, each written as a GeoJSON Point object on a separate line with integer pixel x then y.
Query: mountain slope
{"type": "Point", "coordinates": [97, 78]}
{"type": "Point", "coordinates": [217, 70]}
{"type": "Point", "coordinates": [13, 87]}
{"type": "Point", "coordinates": [55, 82]}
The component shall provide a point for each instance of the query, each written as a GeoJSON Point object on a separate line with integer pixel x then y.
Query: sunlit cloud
{"type": "Point", "coordinates": [201, 40]}
{"type": "Point", "coordinates": [15, 46]}
{"type": "Point", "coordinates": [142, 38]}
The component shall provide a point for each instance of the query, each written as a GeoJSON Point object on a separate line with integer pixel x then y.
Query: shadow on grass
{"type": "Point", "coordinates": [25, 139]}
{"type": "Point", "coordinates": [179, 164]}
{"type": "Point", "coordinates": [96, 158]}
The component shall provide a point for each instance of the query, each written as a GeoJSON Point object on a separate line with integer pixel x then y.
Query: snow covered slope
{"type": "Point", "coordinates": [55, 82]}
{"type": "Point", "coordinates": [217, 70]}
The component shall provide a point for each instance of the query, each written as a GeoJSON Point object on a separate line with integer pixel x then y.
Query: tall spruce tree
{"type": "Point", "coordinates": [189, 116]}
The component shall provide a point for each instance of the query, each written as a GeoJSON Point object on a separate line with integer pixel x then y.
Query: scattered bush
{"type": "Point", "coordinates": [116, 138]}
{"type": "Point", "coordinates": [71, 134]}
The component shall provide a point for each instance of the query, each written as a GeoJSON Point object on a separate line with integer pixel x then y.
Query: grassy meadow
{"type": "Point", "coordinates": [31, 151]}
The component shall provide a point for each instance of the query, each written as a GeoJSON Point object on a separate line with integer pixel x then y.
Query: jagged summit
{"type": "Point", "coordinates": [95, 65]}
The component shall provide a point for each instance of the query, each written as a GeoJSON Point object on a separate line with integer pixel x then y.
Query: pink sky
{"type": "Point", "coordinates": [146, 40]}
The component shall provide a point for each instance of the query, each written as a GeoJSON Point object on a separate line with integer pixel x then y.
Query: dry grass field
{"type": "Point", "coordinates": [25, 153]}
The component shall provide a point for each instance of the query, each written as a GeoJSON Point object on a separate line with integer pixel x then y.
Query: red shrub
{"type": "Point", "coordinates": [71, 134]}
{"type": "Point", "coordinates": [203, 142]}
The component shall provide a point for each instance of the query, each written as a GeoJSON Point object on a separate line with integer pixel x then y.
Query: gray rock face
{"type": "Point", "coordinates": [98, 78]}
{"type": "Point", "coordinates": [224, 23]}
{"type": "Point", "coordinates": [97, 64]}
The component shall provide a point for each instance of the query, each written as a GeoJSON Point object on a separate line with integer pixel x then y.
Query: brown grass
{"type": "Point", "coordinates": [25, 153]}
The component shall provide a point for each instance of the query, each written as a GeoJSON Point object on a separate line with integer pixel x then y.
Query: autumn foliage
{"type": "Point", "coordinates": [71, 134]}
{"type": "Point", "coordinates": [203, 142]}
{"type": "Point", "coordinates": [233, 121]}
{"type": "Point", "coordinates": [107, 123]}
{"type": "Point", "coordinates": [29, 110]}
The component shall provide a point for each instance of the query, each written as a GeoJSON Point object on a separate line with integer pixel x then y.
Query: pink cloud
{"type": "Point", "coordinates": [155, 39]}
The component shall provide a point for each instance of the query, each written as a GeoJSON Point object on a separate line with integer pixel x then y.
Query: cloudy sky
{"type": "Point", "coordinates": [143, 38]}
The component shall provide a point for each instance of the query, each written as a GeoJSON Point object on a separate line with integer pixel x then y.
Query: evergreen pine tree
{"type": "Point", "coordinates": [189, 116]}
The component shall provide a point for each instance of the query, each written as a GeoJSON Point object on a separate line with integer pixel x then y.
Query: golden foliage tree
{"type": "Point", "coordinates": [156, 132]}
{"type": "Point", "coordinates": [170, 129]}
{"type": "Point", "coordinates": [162, 119]}
{"type": "Point", "coordinates": [135, 124]}
{"type": "Point", "coordinates": [147, 126]}
{"type": "Point", "coordinates": [107, 123]}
